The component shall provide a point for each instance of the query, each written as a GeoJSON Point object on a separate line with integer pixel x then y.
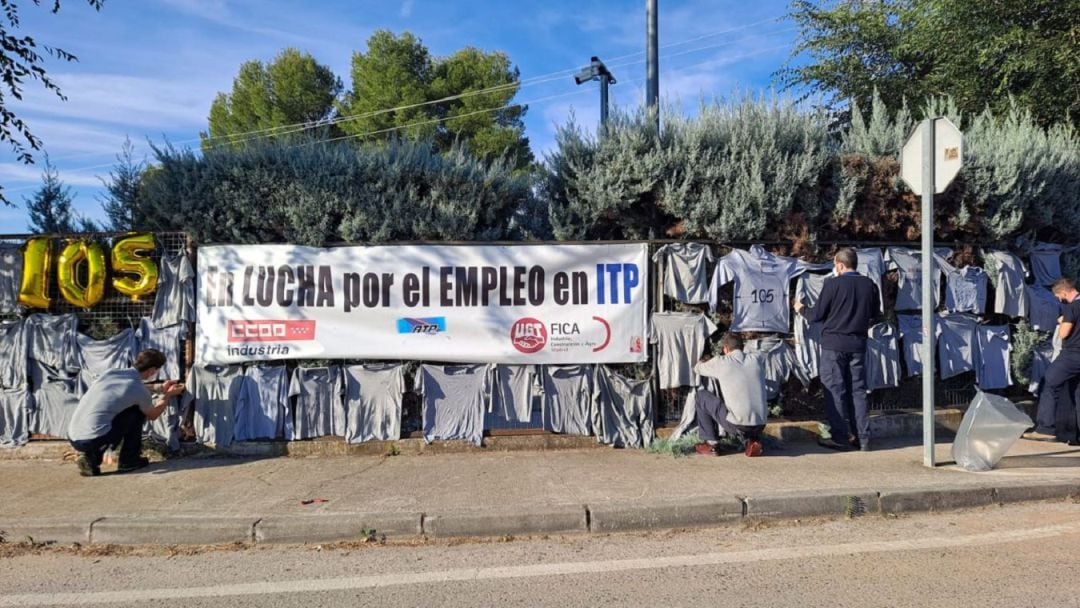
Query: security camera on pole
{"type": "Point", "coordinates": [596, 70]}
{"type": "Point", "coordinates": [930, 159]}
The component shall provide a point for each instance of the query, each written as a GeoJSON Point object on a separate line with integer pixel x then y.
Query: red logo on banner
{"type": "Point", "coordinates": [528, 335]}
{"type": "Point", "coordinates": [271, 331]}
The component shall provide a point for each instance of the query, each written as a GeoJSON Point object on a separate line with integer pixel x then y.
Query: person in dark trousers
{"type": "Point", "coordinates": [743, 411]}
{"type": "Point", "coordinates": [113, 411]}
{"type": "Point", "coordinates": [848, 304]}
{"type": "Point", "coordinates": [1056, 403]}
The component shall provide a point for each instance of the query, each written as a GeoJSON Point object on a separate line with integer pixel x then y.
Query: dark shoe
{"type": "Point", "coordinates": [754, 449]}
{"type": "Point", "coordinates": [1073, 442]}
{"type": "Point", "coordinates": [87, 468]}
{"type": "Point", "coordinates": [832, 445]}
{"type": "Point", "coordinates": [127, 467]}
{"type": "Point", "coordinates": [854, 442]}
{"type": "Point", "coordinates": [704, 449]}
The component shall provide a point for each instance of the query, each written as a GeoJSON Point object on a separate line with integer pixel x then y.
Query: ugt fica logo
{"type": "Point", "coordinates": [528, 335]}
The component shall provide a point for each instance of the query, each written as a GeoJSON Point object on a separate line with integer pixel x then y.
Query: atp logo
{"type": "Point", "coordinates": [528, 335]}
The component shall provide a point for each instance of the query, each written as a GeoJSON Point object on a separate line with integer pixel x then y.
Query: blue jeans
{"type": "Point", "coordinates": [1058, 409]}
{"type": "Point", "coordinates": [125, 431]}
{"type": "Point", "coordinates": [846, 410]}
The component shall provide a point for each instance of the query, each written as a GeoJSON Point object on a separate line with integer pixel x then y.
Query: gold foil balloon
{"type": "Point", "coordinates": [67, 273]}
{"type": "Point", "coordinates": [131, 256]}
{"type": "Point", "coordinates": [37, 258]}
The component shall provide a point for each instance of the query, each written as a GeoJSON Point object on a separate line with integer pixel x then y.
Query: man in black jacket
{"type": "Point", "coordinates": [847, 306]}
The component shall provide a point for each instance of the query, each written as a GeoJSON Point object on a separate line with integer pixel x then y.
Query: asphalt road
{"type": "Point", "coordinates": [1023, 555]}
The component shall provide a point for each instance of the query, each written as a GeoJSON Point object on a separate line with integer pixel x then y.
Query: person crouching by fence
{"type": "Point", "coordinates": [113, 411]}
{"type": "Point", "coordinates": [743, 410]}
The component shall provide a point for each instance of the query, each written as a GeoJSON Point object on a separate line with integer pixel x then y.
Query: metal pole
{"type": "Point", "coordinates": [928, 183]}
{"type": "Point", "coordinates": [604, 102]}
{"type": "Point", "coordinates": [652, 71]}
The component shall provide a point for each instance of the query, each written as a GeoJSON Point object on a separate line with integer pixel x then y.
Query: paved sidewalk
{"type": "Point", "coordinates": [217, 499]}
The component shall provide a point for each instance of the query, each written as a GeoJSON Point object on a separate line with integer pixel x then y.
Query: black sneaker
{"type": "Point", "coordinates": [832, 445]}
{"type": "Point", "coordinates": [139, 463]}
{"type": "Point", "coordinates": [87, 468]}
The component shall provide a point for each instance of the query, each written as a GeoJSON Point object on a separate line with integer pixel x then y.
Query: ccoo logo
{"type": "Point", "coordinates": [528, 335]}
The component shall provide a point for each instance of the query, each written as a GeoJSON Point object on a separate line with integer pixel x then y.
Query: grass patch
{"type": "Point", "coordinates": [683, 446]}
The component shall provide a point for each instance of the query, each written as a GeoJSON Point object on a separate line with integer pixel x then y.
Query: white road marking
{"type": "Point", "coordinates": [557, 569]}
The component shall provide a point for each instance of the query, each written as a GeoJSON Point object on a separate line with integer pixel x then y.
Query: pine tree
{"type": "Point", "coordinates": [121, 201]}
{"type": "Point", "coordinates": [49, 208]}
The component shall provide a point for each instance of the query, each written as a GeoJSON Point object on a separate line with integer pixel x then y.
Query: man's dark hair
{"type": "Point", "coordinates": [848, 258]}
{"type": "Point", "coordinates": [731, 341]}
{"type": "Point", "coordinates": [149, 358]}
{"type": "Point", "coordinates": [1063, 284]}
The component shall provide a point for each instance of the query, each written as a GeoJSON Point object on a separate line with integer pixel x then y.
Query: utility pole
{"type": "Point", "coordinates": [652, 58]}
{"type": "Point", "coordinates": [598, 71]}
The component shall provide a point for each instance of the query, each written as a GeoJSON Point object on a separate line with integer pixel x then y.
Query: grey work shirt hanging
{"type": "Point", "coordinates": [624, 410]}
{"type": "Point", "coordinates": [14, 417]}
{"type": "Point", "coordinates": [1010, 297]}
{"type": "Point", "coordinates": [373, 395]}
{"type": "Point", "coordinates": [807, 334]}
{"type": "Point", "coordinates": [568, 391]}
{"type": "Point", "coordinates": [454, 400]}
{"type": "Point", "coordinates": [1043, 308]}
{"type": "Point", "coordinates": [872, 266]}
{"type": "Point", "coordinates": [260, 413]}
{"type": "Point", "coordinates": [882, 357]}
{"type": "Point", "coordinates": [762, 281]}
{"type": "Point", "coordinates": [11, 268]}
{"type": "Point", "coordinates": [778, 358]}
{"type": "Point", "coordinates": [957, 344]}
{"type": "Point", "coordinates": [167, 340]}
{"type": "Point", "coordinates": [908, 263]}
{"type": "Point", "coordinates": [99, 356]}
{"type": "Point", "coordinates": [175, 299]}
{"type": "Point", "coordinates": [992, 370]}
{"type": "Point", "coordinates": [681, 338]}
{"type": "Point", "coordinates": [218, 391]}
{"type": "Point", "coordinates": [320, 408]}
{"type": "Point", "coordinates": [13, 353]}
{"type": "Point", "coordinates": [52, 340]}
{"type": "Point", "coordinates": [512, 397]}
{"type": "Point", "coordinates": [1046, 262]}
{"type": "Point", "coordinates": [686, 272]}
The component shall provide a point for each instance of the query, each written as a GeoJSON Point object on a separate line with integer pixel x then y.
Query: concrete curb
{"type": "Point", "coordinates": [549, 520]}
{"type": "Point", "coordinates": [595, 518]}
{"type": "Point", "coordinates": [333, 527]}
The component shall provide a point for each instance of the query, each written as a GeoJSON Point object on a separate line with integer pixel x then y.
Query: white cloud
{"type": "Point", "coordinates": [154, 103]}
{"type": "Point", "coordinates": [22, 179]}
{"type": "Point", "coordinates": [406, 9]}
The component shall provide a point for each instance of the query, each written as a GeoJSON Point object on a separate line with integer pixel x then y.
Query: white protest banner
{"type": "Point", "coordinates": [450, 303]}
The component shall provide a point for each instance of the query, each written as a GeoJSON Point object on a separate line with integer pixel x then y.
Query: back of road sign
{"type": "Point", "coordinates": [948, 156]}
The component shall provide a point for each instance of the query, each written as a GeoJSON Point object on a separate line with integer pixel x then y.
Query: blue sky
{"type": "Point", "coordinates": [149, 69]}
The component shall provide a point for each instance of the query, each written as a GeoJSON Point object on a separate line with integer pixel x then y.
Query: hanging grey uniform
{"type": "Point", "coordinates": [992, 371]}
{"type": "Point", "coordinates": [13, 354]}
{"type": "Point", "coordinates": [1046, 263]}
{"type": "Point", "coordinates": [1043, 308]}
{"type": "Point", "coordinates": [14, 417]}
{"type": "Point", "coordinates": [910, 328]}
{"type": "Point", "coordinates": [762, 281]}
{"type": "Point", "coordinates": [872, 266]}
{"type": "Point", "coordinates": [686, 273]}
{"type": "Point", "coordinates": [320, 409]}
{"type": "Point", "coordinates": [55, 397]}
{"type": "Point", "coordinates": [218, 392]}
{"type": "Point", "coordinates": [99, 356]}
{"type": "Point", "coordinates": [512, 397]}
{"type": "Point", "coordinates": [373, 401]}
{"type": "Point", "coordinates": [807, 334]}
{"type": "Point", "coordinates": [166, 339]}
{"type": "Point", "coordinates": [908, 262]}
{"type": "Point", "coordinates": [681, 338]}
{"type": "Point", "coordinates": [52, 340]}
{"type": "Point", "coordinates": [260, 414]}
{"type": "Point", "coordinates": [11, 268]}
{"type": "Point", "coordinates": [965, 289]}
{"type": "Point", "coordinates": [778, 359]}
{"type": "Point", "coordinates": [568, 391]}
{"type": "Point", "coordinates": [957, 344]}
{"type": "Point", "coordinates": [175, 299]}
{"type": "Point", "coordinates": [1010, 297]}
{"type": "Point", "coordinates": [454, 400]}
{"type": "Point", "coordinates": [882, 357]}
{"type": "Point", "coordinates": [623, 410]}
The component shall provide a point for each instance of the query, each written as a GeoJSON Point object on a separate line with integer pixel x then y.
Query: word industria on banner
{"type": "Point", "coordinates": [312, 286]}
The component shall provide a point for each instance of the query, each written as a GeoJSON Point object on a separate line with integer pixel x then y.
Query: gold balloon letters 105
{"type": "Point", "coordinates": [136, 275]}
